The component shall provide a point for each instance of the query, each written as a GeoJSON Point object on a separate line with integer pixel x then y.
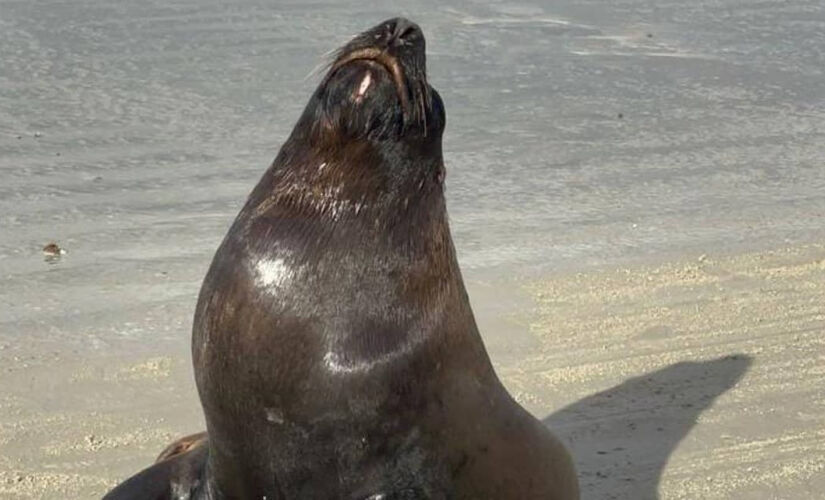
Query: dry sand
{"type": "Point", "coordinates": [703, 379]}
{"type": "Point", "coordinates": [686, 380]}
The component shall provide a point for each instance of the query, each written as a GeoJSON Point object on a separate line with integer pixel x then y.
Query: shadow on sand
{"type": "Point", "coordinates": [621, 438]}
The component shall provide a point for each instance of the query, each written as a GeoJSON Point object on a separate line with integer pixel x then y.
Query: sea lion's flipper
{"type": "Point", "coordinates": [177, 475]}
{"type": "Point", "coordinates": [182, 445]}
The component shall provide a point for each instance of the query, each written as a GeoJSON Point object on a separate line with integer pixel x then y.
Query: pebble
{"type": "Point", "coordinates": [53, 251]}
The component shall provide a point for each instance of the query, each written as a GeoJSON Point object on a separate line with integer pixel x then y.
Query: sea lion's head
{"type": "Point", "coordinates": [370, 135]}
{"type": "Point", "coordinates": [376, 87]}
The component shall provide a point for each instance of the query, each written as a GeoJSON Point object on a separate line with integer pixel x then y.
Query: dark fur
{"type": "Point", "coordinates": [335, 352]}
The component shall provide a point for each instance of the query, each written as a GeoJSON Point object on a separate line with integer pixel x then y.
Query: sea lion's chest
{"type": "Point", "coordinates": [303, 319]}
{"type": "Point", "coordinates": [333, 361]}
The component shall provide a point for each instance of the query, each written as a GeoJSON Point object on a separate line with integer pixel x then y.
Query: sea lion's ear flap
{"type": "Point", "coordinates": [437, 111]}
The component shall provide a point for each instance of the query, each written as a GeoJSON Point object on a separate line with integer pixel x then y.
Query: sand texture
{"type": "Point", "coordinates": [617, 140]}
{"type": "Point", "coordinates": [703, 379]}
{"type": "Point", "coordinates": [694, 379]}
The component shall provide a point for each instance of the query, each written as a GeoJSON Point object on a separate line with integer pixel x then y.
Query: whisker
{"type": "Point", "coordinates": [327, 59]}
{"type": "Point", "coordinates": [317, 70]}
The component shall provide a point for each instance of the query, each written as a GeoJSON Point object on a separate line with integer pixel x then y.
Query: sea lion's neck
{"type": "Point", "coordinates": [355, 183]}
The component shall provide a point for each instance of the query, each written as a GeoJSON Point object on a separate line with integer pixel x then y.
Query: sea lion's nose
{"type": "Point", "coordinates": [402, 31]}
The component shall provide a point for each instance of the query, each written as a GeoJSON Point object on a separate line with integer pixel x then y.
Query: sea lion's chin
{"type": "Point", "coordinates": [360, 100]}
{"type": "Point", "coordinates": [376, 87]}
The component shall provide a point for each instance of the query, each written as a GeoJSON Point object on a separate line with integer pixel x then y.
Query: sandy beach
{"type": "Point", "coordinates": [635, 193]}
{"type": "Point", "coordinates": [689, 379]}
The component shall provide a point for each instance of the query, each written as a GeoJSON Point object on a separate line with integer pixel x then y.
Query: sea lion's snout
{"type": "Point", "coordinates": [397, 40]}
{"type": "Point", "coordinates": [404, 32]}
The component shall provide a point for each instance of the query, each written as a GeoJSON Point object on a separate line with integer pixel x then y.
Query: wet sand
{"type": "Point", "coordinates": [699, 378]}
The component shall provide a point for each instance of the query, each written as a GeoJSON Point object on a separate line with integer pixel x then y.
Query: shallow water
{"type": "Point", "coordinates": [579, 134]}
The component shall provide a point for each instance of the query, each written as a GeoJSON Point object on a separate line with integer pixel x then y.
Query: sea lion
{"type": "Point", "coordinates": [335, 352]}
